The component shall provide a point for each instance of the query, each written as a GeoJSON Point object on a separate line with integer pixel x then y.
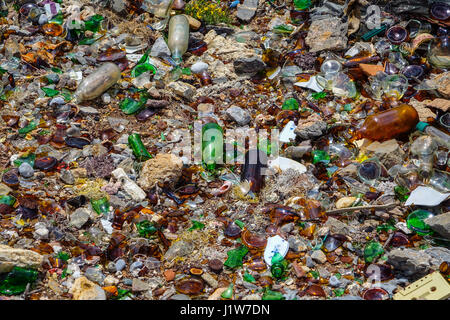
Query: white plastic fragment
{"type": "Point", "coordinates": [310, 84]}
{"type": "Point", "coordinates": [275, 244]}
{"type": "Point", "coordinates": [287, 134]}
{"type": "Point", "coordinates": [426, 196]}
{"type": "Point", "coordinates": [286, 163]}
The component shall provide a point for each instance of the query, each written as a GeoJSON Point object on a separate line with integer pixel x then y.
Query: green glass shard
{"type": "Point", "coordinates": [235, 257]}
{"type": "Point", "coordinates": [196, 225]}
{"type": "Point", "coordinates": [372, 250]}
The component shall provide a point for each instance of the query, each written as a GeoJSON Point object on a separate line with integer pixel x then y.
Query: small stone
{"type": "Point", "coordinates": [248, 65]}
{"type": "Point", "coordinates": [169, 275]}
{"type": "Point", "coordinates": [311, 127]}
{"type": "Point", "coordinates": [182, 89]}
{"type": "Point", "coordinates": [194, 24]}
{"type": "Point", "coordinates": [345, 202]}
{"type": "Point", "coordinates": [247, 10]}
{"type": "Point", "coordinates": [178, 249]}
{"type": "Point", "coordinates": [67, 177]}
{"type": "Point", "coordinates": [83, 289]}
{"type": "Point", "coordinates": [440, 223]}
{"type": "Point", "coordinates": [209, 279]}
{"type": "Point", "coordinates": [111, 281]}
{"type": "Point", "coordinates": [95, 275]}
{"type": "Point", "coordinates": [241, 116]}
{"type": "Point", "coordinates": [331, 35]}
{"type": "Point", "coordinates": [139, 285]}
{"type": "Point", "coordinates": [79, 217]}
{"type": "Point", "coordinates": [160, 48]}
{"type": "Point", "coordinates": [120, 264]}
{"type": "Point", "coordinates": [89, 111]}
{"type": "Point", "coordinates": [318, 256]}
{"type": "Point", "coordinates": [162, 168]}
{"type": "Point", "coordinates": [26, 170]}
{"type": "Point", "coordinates": [338, 227]}
{"type": "Point", "coordinates": [334, 281]}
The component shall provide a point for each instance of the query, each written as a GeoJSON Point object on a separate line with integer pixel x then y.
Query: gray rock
{"type": "Point", "coordinates": [26, 170]}
{"type": "Point", "coordinates": [139, 285]}
{"type": "Point", "coordinates": [309, 262]}
{"type": "Point", "coordinates": [118, 6]}
{"type": "Point", "coordinates": [312, 130]}
{"type": "Point", "coordinates": [338, 227]}
{"type": "Point", "coordinates": [297, 244]}
{"type": "Point", "coordinates": [288, 227]}
{"type": "Point", "coordinates": [95, 275]}
{"type": "Point", "coordinates": [120, 264]}
{"type": "Point", "coordinates": [439, 255]}
{"type": "Point", "coordinates": [136, 265]}
{"type": "Point", "coordinates": [178, 249]}
{"type": "Point", "coordinates": [334, 281]}
{"type": "Point", "coordinates": [79, 217]}
{"type": "Point", "coordinates": [318, 256]}
{"type": "Point", "coordinates": [248, 65]}
{"type": "Point", "coordinates": [440, 224]}
{"type": "Point", "coordinates": [410, 262]}
{"type": "Point", "coordinates": [241, 116]}
{"type": "Point", "coordinates": [89, 111]}
{"type": "Point", "coordinates": [247, 10]}
{"type": "Point", "coordinates": [67, 177]}
{"type": "Point", "coordinates": [160, 48]}
{"type": "Point", "coordinates": [331, 35]}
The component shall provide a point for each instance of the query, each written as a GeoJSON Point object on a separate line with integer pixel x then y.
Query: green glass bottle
{"type": "Point", "coordinates": [16, 281]}
{"type": "Point", "coordinates": [320, 156]}
{"type": "Point", "coordinates": [9, 200]}
{"type": "Point", "coordinates": [130, 106]}
{"type": "Point", "coordinates": [415, 222]}
{"type": "Point", "coordinates": [139, 150]}
{"type": "Point", "coordinates": [372, 250]}
{"type": "Point", "coordinates": [212, 145]}
{"type": "Point", "coordinates": [101, 206]}
{"type": "Point", "coordinates": [279, 266]}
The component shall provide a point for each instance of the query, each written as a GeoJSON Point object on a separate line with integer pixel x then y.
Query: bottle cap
{"type": "Point", "coordinates": [421, 126]}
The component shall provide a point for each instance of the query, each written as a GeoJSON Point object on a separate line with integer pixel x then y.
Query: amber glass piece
{"type": "Point", "coordinates": [389, 124]}
{"type": "Point", "coordinates": [281, 215]}
{"type": "Point", "coordinates": [232, 231]}
{"type": "Point", "coordinates": [52, 29]}
{"type": "Point", "coordinates": [399, 239]}
{"type": "Point", "coordinates": [196, 271]}
{"type": "Point", "coordinates": [316, 290]}
{"type": "Point", "coordinates": [308, 230]}
{"type": "Point", "coordinates": [265, 281]}
{"type": "Point", "coordinates": [256, 264]}
{"type": "Point", "coordinates": [190, 286]}
{"type": "Point", "coordinates": [11, 178]}
{"type": "Point", "coordinates": [253, 241]}
{"type": "Point", "coordinates": [10, 121]}
{"type": "Point", "coordinates": [111, 54]}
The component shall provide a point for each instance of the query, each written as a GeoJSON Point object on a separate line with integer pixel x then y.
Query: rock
{"type": "Point", "coordinates": [331, 35]}
{"type": "Point", "coordinates": [194, 24]}
{"type": "Point", "coordinates": [67, 177]}
{"type": "Point", "coordinates": [178, 249]}
{"type": "Point", "coordinates": [11, 257]}
{"type": "Point", "coordinates": [311, 127]}
{"type": "Point", "coordinates": [388, 152]}
{"type": "Point", "coordinates": [120, 264]}
{"type": "Point", "coordinates": [199, 67]}
{"type": "Point", "coordinates": [338, 227]}
{"type": "Point", "coordinates": [247, 10]}
{"type": "Point", "coordinates": [209, 279]}
{"type": "Point", "coordinates": [26, 170]}
{"type": "Point", "coordinates": [248, 65]}
{"type": "Point", "coordinates": [443, 81]}
{"type": "Point", "coordinates": [111, 281]}
{"type": "Point", "coordinates": [439, 255]}
{"type": "Point", "coordinates": [334, 282]}
{"type": "Point", "coordinates": [318, 256]}
{"type": "Point", "coordinates": [118, 6]}
{"type": "Point", "coordinates": [345, 202]}
{"type": "Point", "coordinates": [440, 224]}
{"type": "Point", "coordinates": [12, 48]}
{"type": "Point", "coordinates": [95, 275]}
{"type": "Point", "coordinates": [297, 244]}
{"type": "Point", "coordinates": [410, 262]}
{"type": "Point", "coordinates": [139, 285]}
{"type": "Point", "coordinates": [83, 289]}
{"type": "Point", "coordinates": [79, 217]}
{"type": "Point", "coordinates": [160, 48]}
{"type": "Point", "coordinates": [162, 168]}
{"type": "Point", "coordinates": [217, 293]}
{"type": "Point", "coordinates": [241, 116]}
{"type": "Point", "coordinates": [182, 89]}
{"type": "Point", "coordinates": [88, 111]}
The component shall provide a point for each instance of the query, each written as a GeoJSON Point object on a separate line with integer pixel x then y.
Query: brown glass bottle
{"type": "Point", "coordinates": [389, 124]}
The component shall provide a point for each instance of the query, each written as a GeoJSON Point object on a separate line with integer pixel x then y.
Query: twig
{"type": "Point", "coordinates": [376, 207]}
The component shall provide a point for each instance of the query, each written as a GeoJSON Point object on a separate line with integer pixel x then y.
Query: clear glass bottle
{"type": "Point", "coordinates": [97, 82]}
{"type": "Point", "coordinates": [424, 148]}
{"type": "Point", "coordinates": [439, 136]}
{"type": "Point", "coordinates": [178, 36]}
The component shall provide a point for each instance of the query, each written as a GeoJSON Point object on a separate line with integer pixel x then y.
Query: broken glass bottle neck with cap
{"type": "Point", "coordinates": [439, 136]}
